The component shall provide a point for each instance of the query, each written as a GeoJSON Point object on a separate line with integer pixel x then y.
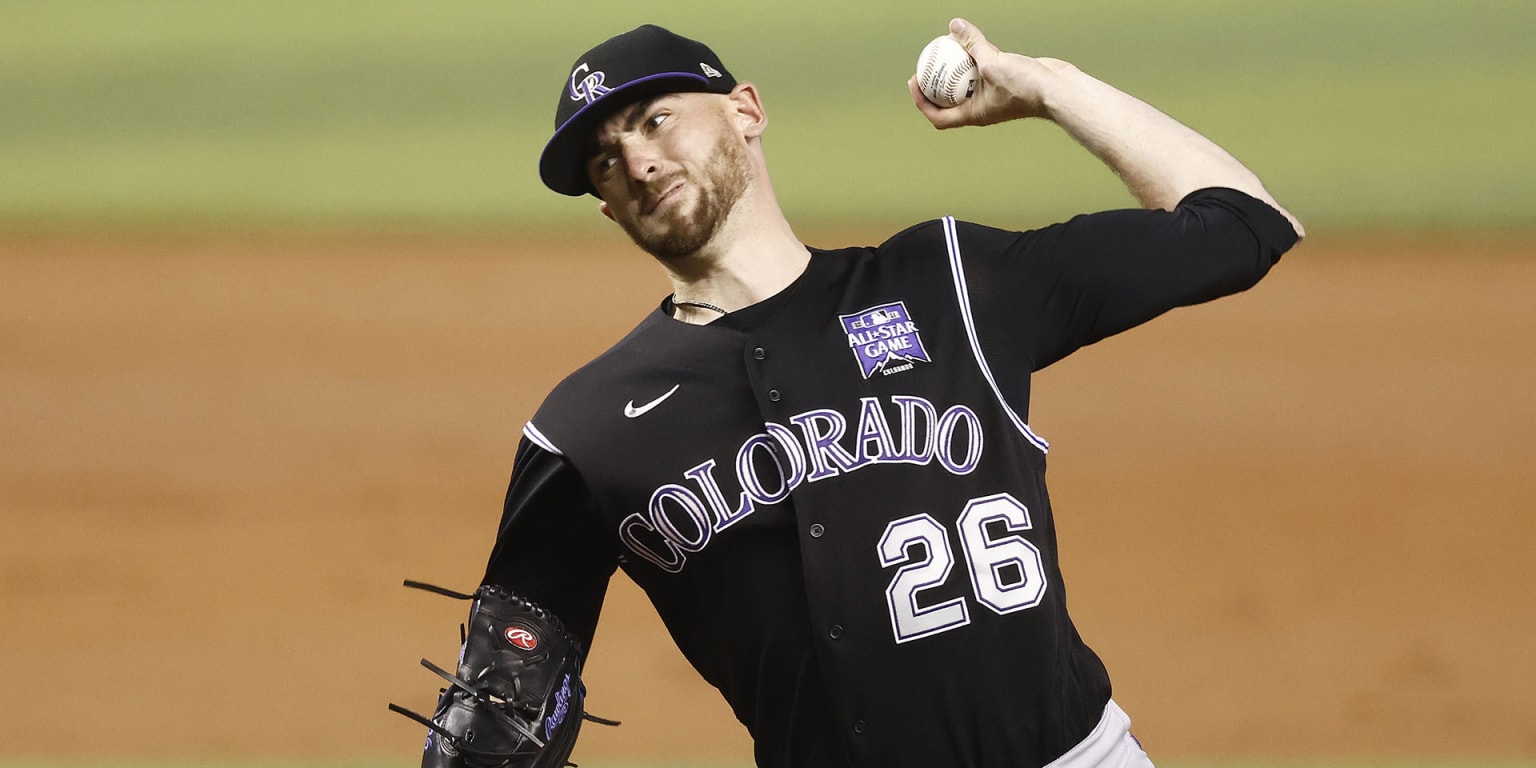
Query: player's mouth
{"type": "Point", "coordinates": [668, 193]}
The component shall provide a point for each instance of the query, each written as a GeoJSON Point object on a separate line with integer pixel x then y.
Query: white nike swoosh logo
{"type": "Point", "coordinates": [631, 411]}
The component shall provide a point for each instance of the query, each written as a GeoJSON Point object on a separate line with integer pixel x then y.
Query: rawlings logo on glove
{"type": "Point", "coordinates": [515, 700]}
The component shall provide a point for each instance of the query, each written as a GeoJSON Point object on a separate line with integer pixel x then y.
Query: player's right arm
{"type": "Point", "coordinates": [1160, 160]}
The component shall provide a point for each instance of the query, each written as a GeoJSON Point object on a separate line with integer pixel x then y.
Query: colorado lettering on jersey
{"type": "Point", "coordinates": [682, 517]}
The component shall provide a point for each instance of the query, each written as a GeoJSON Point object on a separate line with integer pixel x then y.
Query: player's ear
{"type": "Point", "coordinates": [746, 108]}
{"type": "Point", "coordinates": [602, 208]}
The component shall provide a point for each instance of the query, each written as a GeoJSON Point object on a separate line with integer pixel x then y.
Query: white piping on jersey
{"type": "Point", "coordinates": [963, 294]}
{"type": "Point", "coordinates": [532, 433]}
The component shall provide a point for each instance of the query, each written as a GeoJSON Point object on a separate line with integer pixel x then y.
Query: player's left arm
{"type": "Point", "coordinates": [551, 546]}
{"type": "Point", "coordinates": [516, 696]}
{"type": "Point", "coordinates": [1160, 160]}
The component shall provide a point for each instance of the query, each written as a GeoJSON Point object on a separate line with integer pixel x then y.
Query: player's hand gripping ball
{"type": "Point", "coordinates": [946, 74]}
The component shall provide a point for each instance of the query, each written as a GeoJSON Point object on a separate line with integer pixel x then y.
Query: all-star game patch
{"type": "Point", "coordinates": [884, 339]}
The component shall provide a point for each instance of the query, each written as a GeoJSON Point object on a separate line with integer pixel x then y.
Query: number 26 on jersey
{"type": "Point", "coordinates": [1006, 571]}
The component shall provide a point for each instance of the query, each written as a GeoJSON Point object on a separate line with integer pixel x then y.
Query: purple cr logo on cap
{"type": "Point", "coordinates": [589, 88]}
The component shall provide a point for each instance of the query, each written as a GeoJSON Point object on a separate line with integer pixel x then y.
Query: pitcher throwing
{"type": "Point", "coordinates": [818, 463]}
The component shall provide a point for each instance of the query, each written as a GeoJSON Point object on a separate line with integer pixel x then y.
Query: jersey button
{"type": "Point", "coordinates": [817, 530]}
{"type": "Point", "coordinates": [773, 394]}
{"type": "Point", "coordinates": [759, 353]}
{"type": "Point", "coordinates": [835, 632]}
{"type": "Point", "coordinates": [858, 726]}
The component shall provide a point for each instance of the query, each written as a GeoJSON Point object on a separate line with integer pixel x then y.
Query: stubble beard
{"type": "Point", "coordinates": [683, 232]}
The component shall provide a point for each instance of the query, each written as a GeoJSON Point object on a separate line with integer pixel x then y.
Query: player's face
{"type": "Point", "coordinates": [669, 171]}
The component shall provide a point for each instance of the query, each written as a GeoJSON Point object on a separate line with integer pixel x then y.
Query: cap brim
{"type": "Point", "coordinates": [562, 166]}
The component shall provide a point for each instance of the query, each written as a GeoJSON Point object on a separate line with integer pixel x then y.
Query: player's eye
{"type": "Point", "coordinates": [603, 163]}
{"type": "Point", "coordinates": [655, 121]}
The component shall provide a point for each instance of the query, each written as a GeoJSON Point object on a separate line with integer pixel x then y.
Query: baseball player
{"type": "Point", "coordinates": [818, 463]}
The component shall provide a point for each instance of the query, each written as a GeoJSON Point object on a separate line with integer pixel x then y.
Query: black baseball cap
{"type": "Point", "coordinates": [640, 63]}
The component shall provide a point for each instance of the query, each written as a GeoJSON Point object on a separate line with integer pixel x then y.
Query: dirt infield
{"type": "Point", "coordinates": [1299, 522]}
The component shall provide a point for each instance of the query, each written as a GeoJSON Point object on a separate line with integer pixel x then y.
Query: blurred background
{"type": "Point", "coordinates": [404, 115]}
{"type": "Point", "coordinates": [279, 286]}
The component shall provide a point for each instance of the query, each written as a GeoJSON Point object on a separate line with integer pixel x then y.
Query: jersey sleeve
{"type": "Point", "coordinates": [1047, 292]}
{"type": "Point", "coordinates": [551, 546]}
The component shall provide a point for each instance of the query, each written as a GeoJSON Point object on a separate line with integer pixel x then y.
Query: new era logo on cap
{"type": "Point", "coordinates": [643, 62]}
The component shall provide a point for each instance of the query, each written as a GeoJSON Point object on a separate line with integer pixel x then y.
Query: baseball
{"type": "Point", "coordinates": [946, 74]}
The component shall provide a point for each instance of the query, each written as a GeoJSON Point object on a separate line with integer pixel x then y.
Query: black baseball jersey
{"type": "Point", "coordinates": [833, 498]}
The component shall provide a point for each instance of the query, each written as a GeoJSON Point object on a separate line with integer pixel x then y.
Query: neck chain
{"type": "Point", "coordinates": [676, 302]}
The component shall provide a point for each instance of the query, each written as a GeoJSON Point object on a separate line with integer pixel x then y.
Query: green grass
{"type": "Point", "coordinates": [398, 113]}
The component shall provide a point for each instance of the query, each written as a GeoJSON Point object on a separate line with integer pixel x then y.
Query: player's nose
{"type": "Point", "coordinates": [641, 162]}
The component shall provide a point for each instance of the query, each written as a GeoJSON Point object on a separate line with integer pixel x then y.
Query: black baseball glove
{"type": "Point", "coordinates": [516, 700]}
